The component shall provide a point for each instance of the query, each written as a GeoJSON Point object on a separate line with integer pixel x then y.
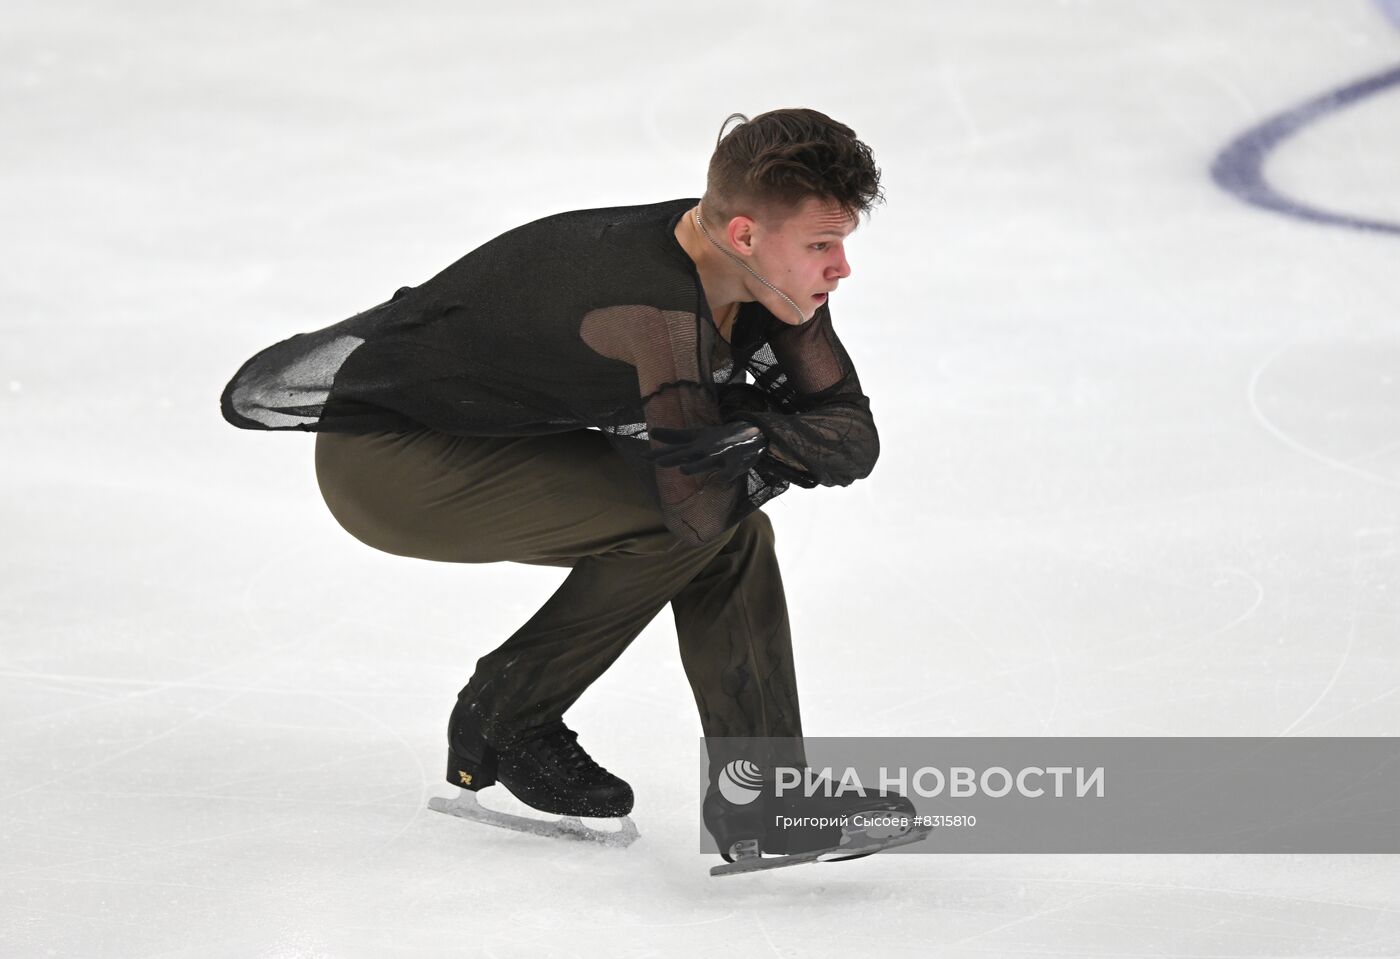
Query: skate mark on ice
{"type": "Point", "coordinates": [90, 765]}
{"type": "Point", "coordinates": [1038, 623]}
{"type": "Point", "coordinates": [1157, 578]}
{"type": "Point", "coordinates": [1346, 650]}
{"type": "Point", "coordinates": [977, 641]}
{"type": "Point", "coordinates": [1272, 428]}
{"type": "Point", "coordinates": [416, 808]}
{"type": "Point", "coordinates": [154, 686]}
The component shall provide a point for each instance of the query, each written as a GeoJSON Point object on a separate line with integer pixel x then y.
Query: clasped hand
{"type": "Point", "coordinates": [728, 449]}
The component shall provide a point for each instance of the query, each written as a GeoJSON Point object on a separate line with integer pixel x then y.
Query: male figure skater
{"type": "Point", "coordinates": [576, 393]}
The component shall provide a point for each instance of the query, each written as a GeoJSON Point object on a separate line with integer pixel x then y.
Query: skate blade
{"type": "Point", "coordinates": [857, 845]}
{"type": "Point", "coordinates": [467, 806]}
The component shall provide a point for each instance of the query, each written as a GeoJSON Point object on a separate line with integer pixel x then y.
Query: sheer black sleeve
{"type": "Point", "coordinates": [662, 346]}
{"type": "Point", "coordinates": [819, 426]}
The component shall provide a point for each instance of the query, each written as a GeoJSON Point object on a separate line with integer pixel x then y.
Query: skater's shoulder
{"type": "Point", "coordinates": [658, 213]}
{"type": "Point", "coordinates": [597, 237]}
{"type": "Point", "coordinates": [609, 245]}
{"type": "Point", "coordinates": [629, 250]}
{"type": "Point", "coordinates": [642, 216]}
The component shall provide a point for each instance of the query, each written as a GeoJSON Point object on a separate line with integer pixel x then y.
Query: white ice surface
{"type": "Point", "coordinates": [1140, 470]}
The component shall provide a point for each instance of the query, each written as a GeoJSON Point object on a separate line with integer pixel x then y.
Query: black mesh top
{"type": "Point", "coordinates": [588, 318]}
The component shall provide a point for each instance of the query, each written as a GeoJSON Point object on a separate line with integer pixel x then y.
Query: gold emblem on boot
{"type": "Point", "coordinates": [466, 777]}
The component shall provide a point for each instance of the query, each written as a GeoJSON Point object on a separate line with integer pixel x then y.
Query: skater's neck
{"type": "Point", "coordinates": [724, 289]}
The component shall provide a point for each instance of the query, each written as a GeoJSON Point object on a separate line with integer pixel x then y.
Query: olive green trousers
{"type": "Point", "coordinates": [567, 499]}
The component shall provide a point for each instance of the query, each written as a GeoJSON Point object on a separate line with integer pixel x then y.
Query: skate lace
{"type": "Point", "coordinates": [560, 743]}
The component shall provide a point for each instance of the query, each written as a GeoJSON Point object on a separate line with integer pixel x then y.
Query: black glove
{"type": "Point", "coordinates": [729, 449]}
{"type": "Point", "coordinates": [736, 399]}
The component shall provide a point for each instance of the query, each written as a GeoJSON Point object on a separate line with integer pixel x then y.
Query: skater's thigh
{"type": "Point", "coordinates": [482, 499]}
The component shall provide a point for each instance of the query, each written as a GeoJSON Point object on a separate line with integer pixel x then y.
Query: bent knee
{"type": "Point", "coordinates": [759, 526]}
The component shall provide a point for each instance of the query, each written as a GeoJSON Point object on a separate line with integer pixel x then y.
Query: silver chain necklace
{"type": "Point", "coordinates": [701, 223]}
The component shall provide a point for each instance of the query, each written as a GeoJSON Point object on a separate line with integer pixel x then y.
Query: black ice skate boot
{"type": "Point", "coordinates": [471, 761]}
{"type": "Point", "coordinates": [548, 769]}
{"type": "Point", "coordinates": [544, 767]}
{"type": "Point", "coordinates": [737, 829]}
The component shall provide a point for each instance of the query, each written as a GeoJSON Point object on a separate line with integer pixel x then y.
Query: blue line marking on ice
{"type": "Point", "coordinates": [1239, 168]}
{"type": "Point", "coordinates": [1391, 9]}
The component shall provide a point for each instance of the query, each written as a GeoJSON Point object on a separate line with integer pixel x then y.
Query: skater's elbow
{"type": "Point", "coordinates": [860, 450]}
{"type": "Point", "coordinates": [870, 455]}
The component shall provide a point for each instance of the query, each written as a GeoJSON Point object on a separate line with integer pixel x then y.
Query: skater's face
{"type": "Point", "coordinates": [803, 255]}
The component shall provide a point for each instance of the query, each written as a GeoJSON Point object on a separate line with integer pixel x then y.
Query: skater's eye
{"type": "Point", "coordinates": [820, 246]}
